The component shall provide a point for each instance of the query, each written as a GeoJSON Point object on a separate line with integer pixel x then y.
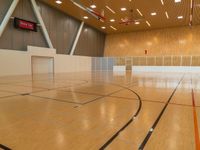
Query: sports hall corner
{"type": "Point", "coordinates": [99, 75]}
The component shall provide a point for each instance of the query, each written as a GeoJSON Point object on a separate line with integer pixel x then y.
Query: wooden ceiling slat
{"type": "Point", "coordinates": [145, 6]}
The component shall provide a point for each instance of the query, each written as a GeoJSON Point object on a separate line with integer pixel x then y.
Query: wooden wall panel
{"type": "Point", "coordinates": [128, 63]}
{"type": "Point", "coordinates": [120, 61]}
{"type": "Point", "coordinates": [4, 5]}
{"type": "Point", "coordinates": [61, 28]}
{"type": "Point", "coordinates": [19, 39]}
{"type": "Point", "coordinates": [167, 61]}
{"type": "Point", "coordinates": [171, 41]}
{"type": "Point", "coordinates": [159, 61]}
{"type": "Point", "coordinates": [142, 61]}
{"type": "Point", "coordinates": [196, 61]}
{"type": "Point", "coordinates": [91, 42]}
{"type": "Point", "coordinates": [186, 60]}
{"type": "Point", "coordinates": [176, 61]}
{"type": "Point", "coordinates": [151, 61]}
{"type": "Point", "coordinates": [135, 61]}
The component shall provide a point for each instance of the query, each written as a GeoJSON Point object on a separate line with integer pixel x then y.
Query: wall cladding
{"type": "Point", "coordinates": [91, 42]}
{"type": "Point", "coordinates": [103, 63]}
{"type": "Point", "coordinates": [4, 7]}
{"type": "Point", "coordinates": [171, 41]}
{"type": "Point", "coordinates": [18, 39]}
{"type": "Point", "coordinates": [62, 29]}
{"type": "Point", "coordinates": [107, 63]}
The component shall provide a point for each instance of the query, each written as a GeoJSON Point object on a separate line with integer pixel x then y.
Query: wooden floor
{"type": "Point", "coordinates": [100, 110]}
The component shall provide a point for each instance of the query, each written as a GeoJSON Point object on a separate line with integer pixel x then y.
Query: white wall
{"type": "Point", "coordinates": [42, 65]}
{"type": "Point", "coordinates": [14, 63]}
{"type": "Point", "coordinates": [66, 63]}
{"type": "Point", "coordinates": [19, 63]}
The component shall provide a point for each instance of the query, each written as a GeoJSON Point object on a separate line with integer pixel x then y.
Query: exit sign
{"type": "Point", "coordinates": [25, 25]}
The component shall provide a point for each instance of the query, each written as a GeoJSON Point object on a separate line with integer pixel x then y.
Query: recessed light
{"type": "Point", "coordinates": [167, 15]}
{"type": "Point", "coordinates": [177, 1]}
{"type": "Point", "coordinates": [103, 27]}
{"type": "Point", "coordinates": [137, 22]}
{"type": "Point", "coordinates": [147, 22]}
{"type": "Point", "coordinates": [110, 9]}
{"type": "Point", "coordinates": [113, 28]}
{"type": "Point", "coordinates": [85, 17]}
{"type": "Point", "coordinates": [112, 20]}
{"type": "Point", "coordinates": [93, 6]}
{"type": "Point", "coordinates": [123, 9]}
{"type": "Point", "coordinates": [162, 2]}
{"type": "Point", "coordinates": [153, 14]}
{"type": "Point", "coordinates": [139, 12]}
{"type": "Point", "coordinates": [180, 17]}
{"type": "Point", "coordinates": [58, 1]}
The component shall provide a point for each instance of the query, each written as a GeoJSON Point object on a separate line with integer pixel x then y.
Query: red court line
{"type": "Point", "coordinates": [196, 131]}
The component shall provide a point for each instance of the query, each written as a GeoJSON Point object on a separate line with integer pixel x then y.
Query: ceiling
{"type": "Point", "coordinates": [146, 7]}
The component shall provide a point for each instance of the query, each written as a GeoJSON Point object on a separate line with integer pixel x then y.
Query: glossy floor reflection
{"type": "Point", "coordinates": [83, 111]}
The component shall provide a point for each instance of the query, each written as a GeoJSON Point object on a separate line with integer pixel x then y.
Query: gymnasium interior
{"type": "Point", "coordinates": [99, 74]}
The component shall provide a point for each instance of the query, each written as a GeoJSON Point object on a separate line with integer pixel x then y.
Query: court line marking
{"type": "Point", "coordinates": [4, 147]}
{"type": "Point", "coordinates": [42, 88]}
{"type": "Point", "coordinates": [104, 96]}
{"type": "Point", "coordinates": [179, 104]}
{"type": "Point", "coordinates": [54, 88]}
{"type": "Point", "coordinates": [58, 100]}
{"type": "Point", "coordinates": [20, 93]}
{"type": "Point", "coordinates": [81, 92]}
{"type": "Point", "coordinates": [9, 96]}
{"type": "Point", "coordinates": [83, 103]}
{"type": "Point", "coordinates": [87, 102]}
{"type": "Point", "coordinates": [127, 124]}
{"type": "Point", "coordinates": [46, 89]}
{"type": "Point", "coordinates": [142, 145]}
{"type": "Point", "coordinates": [196, 130]}
{"type": "Point", "coordinates": [153, 101]}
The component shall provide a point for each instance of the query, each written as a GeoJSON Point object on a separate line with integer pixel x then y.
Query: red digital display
{"type": "Point", "coordinates": [26, 25]}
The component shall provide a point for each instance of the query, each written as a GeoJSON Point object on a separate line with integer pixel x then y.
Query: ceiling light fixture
{"type": "Point", "coordinates": [177, 1]}
{"type": "Point", "coordinates": [103, 27]}
{"type": "Point", "coordinates": [110, 9]}
{"type": "Point", "coordinates": [93, 6]}
{"type": "Point", "coordinates": [191, 12]}
{"type": "Point", "coordinates": [85, 17]}
{"type": "Point", "coordinates": [137, 22]}
{"type": "Point", "coordinates": [147, 22]}
{"type": "Point", "coordinates": [180, 17]}
{"type": "Point", "coordinates": [167, 15]}
{"type": "Point", "coordinates": [139, 12]}
{"type": "Point", "coordinates": [58, 1]}
{"type": "Point", "coordinates": [123, 9]}
{"type": "Point", "coordinates": [113, 28]}
{"type": "Point", "coordinates": [112, 20]}
{"type": "Point", "coordinates": [154, 13]}
{"type": "Point", "coordinates": [162, 2]}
